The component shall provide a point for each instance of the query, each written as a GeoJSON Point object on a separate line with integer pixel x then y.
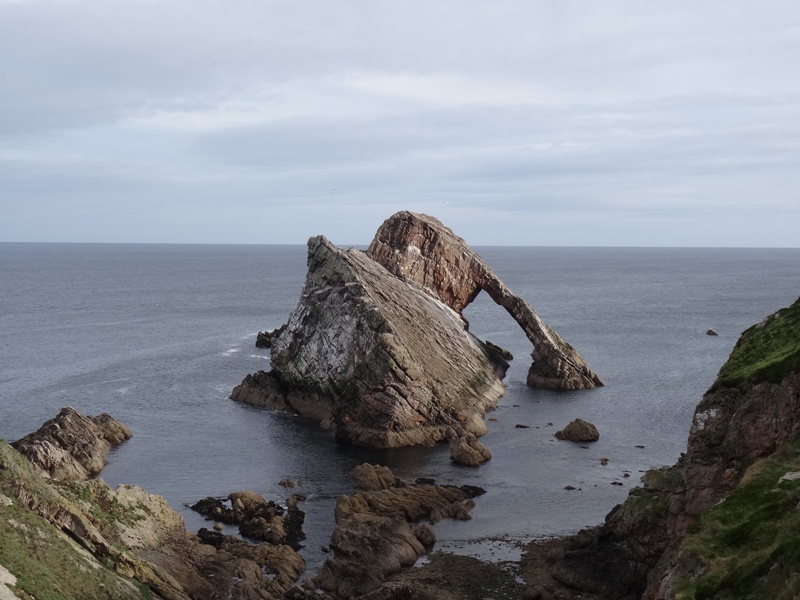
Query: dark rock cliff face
{"type": "Point", "coordinates": [378, 351]}
{"type": "Point", "coordinates": [661, 541]}
{"type": "Point", "coordinates": [418, 248]}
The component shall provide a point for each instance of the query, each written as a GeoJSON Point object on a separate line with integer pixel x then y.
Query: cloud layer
{"type": "Point", "coordinates": [543, 123]}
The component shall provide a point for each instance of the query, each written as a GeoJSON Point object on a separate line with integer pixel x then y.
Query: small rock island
{"type": "Point", "coordinates": [377, 349]}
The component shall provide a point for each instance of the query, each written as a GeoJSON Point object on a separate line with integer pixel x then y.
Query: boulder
{"type": "Point", "coordinates": [711, 332]}
{"type": "Point", "coordinates": [257, 518]}
{"type": "Point", "coordinates": [468, 451]}
{"type": "Point", "coordinates": [578, 431]}
{"type": "Point", "coordinates": [71, 446]}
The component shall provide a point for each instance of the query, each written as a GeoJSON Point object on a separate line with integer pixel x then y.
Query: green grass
{"type": "Point", "coordinates": [766, 351]}
{"type": "Point", "coordinates": [749, 544]}
{"type": "Point", "coordinates": [46, 564]}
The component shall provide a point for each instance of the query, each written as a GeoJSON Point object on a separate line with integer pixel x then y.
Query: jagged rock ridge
{"type": "Point", "coordinates": [418, 248]}
{"type": "Point", "coordinates": [72, 446]}
{"type": "Point", "coordinates": [378, 351]}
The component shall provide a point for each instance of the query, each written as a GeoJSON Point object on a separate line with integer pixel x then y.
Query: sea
{"type": "Point", "coordinates": [158, 335]}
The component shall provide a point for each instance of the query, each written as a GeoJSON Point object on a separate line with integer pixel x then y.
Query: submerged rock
{"type": "Point", "coordinates": [257, 518]}
{"type": "Point", "coordinates": [71, 446]}
{"type": "Point", "coordinates": [377, 349]}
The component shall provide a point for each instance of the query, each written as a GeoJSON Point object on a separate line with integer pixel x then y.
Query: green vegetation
{"type": "Point", "coordinates": [99, 503]}
{"type": "Point", "coordinates": [748, 546]}
{"type": "Point", "coordinates": [766, 351]}
{"type": "Point", "coordinates": [47, 564]}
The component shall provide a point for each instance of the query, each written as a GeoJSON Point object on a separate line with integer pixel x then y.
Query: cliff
{"type": "Point", "coordinates": [377, 349]}
{"type": "Point", "coordinates": [723, 521]}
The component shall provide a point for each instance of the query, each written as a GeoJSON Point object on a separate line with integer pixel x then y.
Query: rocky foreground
{"type": "Point", "coordinates": [377, 349]}
{"type": "Point", "coordinates": [76, 538]}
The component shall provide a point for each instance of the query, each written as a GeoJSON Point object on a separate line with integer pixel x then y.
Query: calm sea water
{"type": "Point", "coordinates": [158, 335]}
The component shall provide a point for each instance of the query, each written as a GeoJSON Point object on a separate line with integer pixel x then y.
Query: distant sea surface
{"type": "Point", "coordinates": [158, 335]}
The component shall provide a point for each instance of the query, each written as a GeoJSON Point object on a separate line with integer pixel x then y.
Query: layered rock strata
{"type": "Point", "coordinates": [720, 523]}
{"type": "Point", "coordinates": [72, 446]}
{"type": "Point", "coordinates": [380, 361]}
{"type": "Point", "coordinates": [419, 249]}
{"type": "Point", "coordinates": [379, 530]}
{"type": "Point", "coordinates": [77, 538]}
{"type": "Point", "coordinates": [377, 348]}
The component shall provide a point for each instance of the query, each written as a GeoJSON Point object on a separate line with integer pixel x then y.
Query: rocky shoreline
{"type": "Point", "coordinates": [377, 351]}
{"type": "Point", "coordinates": [721, 523]}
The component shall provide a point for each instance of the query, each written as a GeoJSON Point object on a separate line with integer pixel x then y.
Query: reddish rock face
{"type": "Point", "coordinates": [419, 249]}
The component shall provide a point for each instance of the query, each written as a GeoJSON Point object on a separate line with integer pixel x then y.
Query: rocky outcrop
{"type": "Point", "coordinates": [257, 518]}
{"type": "Point", "coordinates": [716, 523]}
{"type": "Point", "coordinates": [82, 539]}
{"type": "Point", "coordinates": [377, 360]}
{"type": "Point", "coordinates": [264, 338]}
{"type": "Point", "coordinates": [468, 451]}
{"type": "Point", "coordinates": [578, 431]}
{"type": "Point", "coordinates": [419, 249]}
{"type": "Point", "coordinates": [377, 348]}
{"type": "Point", "coordinates": [375, 534]}
{"type": "Point", "coordinates": [72, 447]}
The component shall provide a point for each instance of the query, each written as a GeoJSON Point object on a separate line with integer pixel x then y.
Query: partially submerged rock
{"type": "Point", "coordinates": [468, 451]}
{"type": "Point", "coordinates": [578, 431]}
{"type": "Point", "coordinates": [71, 446]}
{"type": "Point", "coordinates": [257, 518]}
{"type": "Point", "coordinates": [378, 351]}
{"type": "Point", "coordinates": [375, 535]}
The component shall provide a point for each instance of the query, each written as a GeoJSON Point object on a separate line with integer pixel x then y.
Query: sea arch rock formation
{"type": "Point", "coordinates": [377, 349]}
{"type": "Point", "coordinates": [420, 249]}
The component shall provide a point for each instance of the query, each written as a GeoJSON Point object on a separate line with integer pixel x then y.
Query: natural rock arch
{"type": "Point", "coordinates": [420, 249]}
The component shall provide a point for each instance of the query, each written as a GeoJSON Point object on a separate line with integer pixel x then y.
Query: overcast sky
{"type": "Point", "coordinates": [516, 122]}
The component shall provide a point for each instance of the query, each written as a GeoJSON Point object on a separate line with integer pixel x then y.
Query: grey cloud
{"type": "Point", "coordinates": [161, 120]}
